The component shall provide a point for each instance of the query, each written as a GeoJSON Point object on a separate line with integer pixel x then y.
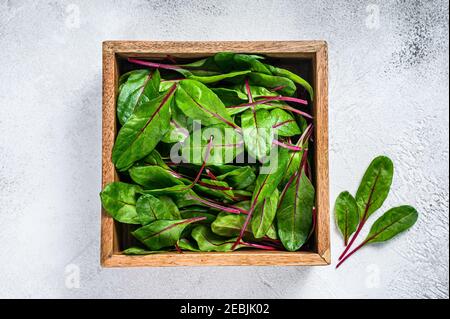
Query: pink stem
{"type": "Point", "coordinates": [217, 206]}
{"type": "Point", "coordinates": [361, 225]}
{"type": "Point", "coordinates": [258, 246]}
{"type": "Point", "coordinates": [278, 88]}
{"type": "Point", "coordinates": [290, 147]}
{"type": "Point", "coordinates": [154, 65]}
{"type": "Point", "coordinates": [210, 174]}
{"type": "Point", "coordinates": [351, 253]}
{"type": "Point", "coordinates": [249, 92]}
{"type": "Point", "coordinates": [171, 59]}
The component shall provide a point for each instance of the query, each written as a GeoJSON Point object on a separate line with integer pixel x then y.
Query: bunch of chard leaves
{"type": "Point", "coordinates": [352, 213]}
{"type": "Point", "coordinates": [212, 155]}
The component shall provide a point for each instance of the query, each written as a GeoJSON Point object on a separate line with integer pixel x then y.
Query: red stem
{"type": "Point", "coordinates": [289, 147]}
{"type": "Point", "coordinates": [351, 253]}
{"type": "Point", "coordinates": [210, 174]}
{"type": "Point", "coordinates": [360, 226]}
{"type": "Point", "coordinates": [154, 65]}
{"type": "Point", "coordinates": [258, 246]}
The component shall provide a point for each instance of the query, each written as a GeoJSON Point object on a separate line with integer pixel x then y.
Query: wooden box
{"type": "Point", "coordinates": [309, 58]}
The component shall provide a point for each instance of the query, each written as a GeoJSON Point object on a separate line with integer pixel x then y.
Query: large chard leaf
{"type": "Point", "coordinates": [143, 130]}
{"type": "Point", "coordinates": [119, 200]}
{"type": "Point", "coordinates": [257, 132]}
{"type": "Point", "coordinates": [163, 233]}
{"type": "Point", "coordinates": [393, 222]}
{"type": "Point", "coordinates": [347, 216]}
{"type": "Point", "coordinates": [198, 102]}
{"type": "Point", "coordinates": [375, 186]}
{"type": "Point", "coordinates": [294, 216]}
{"type": "Point", "coordinates": [215, 188]}
{"type": "Point", "coordinates": [208, 241]}
{"type": "Point", "coordinates": [283, 123]}
{"type": "Point", "coordinates": [150, 208]}
{"type": "Point", "coordinates": [264, 215]}
{"type": "Point", "coordinates": [139, 87]}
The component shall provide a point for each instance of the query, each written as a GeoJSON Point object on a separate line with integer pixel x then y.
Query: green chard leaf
{"type": "Point", "coordinates": [293, 77]}
{"type": "Point", "coordinates": [199, 102]}
{"type": "Point", "coordinates": [294, 216]}
{"type": "Point", "coordinates": [139, 86]}
{"type": "Point", "coordinates": [229, 225]}
{"type": "Point", "coordinates": [150, 208]}
{"type": "Point", "coordinates": [347, 216]}
{"type": "Point", "coordinates": [240, 177]}
{"type": "Point", "coordinates": [163, 233]}
{"type": "Point", "coordinates": [258, 132]}
{"type": "Point", "coordinates": [393, 222]}
{"type": "Point", "coordinates": [208, 241]}
{"type": "Point", "coordinates": [119, 200]}
{"type": "Point", "coordinates": [283, 123]}
{"type": "Point", "coordinates": [154, 177]}
{"type": "Point", "coordinates": [264, 215]}
{"type": "Point", "coordinates": [143, 130]}
{"type": "Point", "coordinates": [287, 86]}
{"type": "Point", "coordinates": [375, 186]}
{"type": "Point", "coordinates": [140, 251]}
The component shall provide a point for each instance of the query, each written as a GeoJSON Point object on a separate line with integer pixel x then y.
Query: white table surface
{"type": "Point", "coordinates": [388, 95]}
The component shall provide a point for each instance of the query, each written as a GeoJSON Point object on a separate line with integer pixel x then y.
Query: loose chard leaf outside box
{"type": "Point", "coordinates": [113, 236]}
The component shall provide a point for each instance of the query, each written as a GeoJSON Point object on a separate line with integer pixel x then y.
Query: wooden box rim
{"type": "Point", "coordinates": [314, 50]}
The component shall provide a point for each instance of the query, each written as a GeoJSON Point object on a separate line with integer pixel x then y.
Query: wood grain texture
{"type": "Point", "coordinates": [314, 50]}
{"type": "Point", "coordinates": [239, 258]}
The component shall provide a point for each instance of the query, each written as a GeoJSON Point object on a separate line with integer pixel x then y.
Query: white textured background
{"type": "Point", "coordinates": [389, 86]}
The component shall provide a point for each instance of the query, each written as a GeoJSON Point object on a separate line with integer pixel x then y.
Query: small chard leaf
{"type": "Point", "coordinates": [283, 123]}
{"type": "Point", "coordinates": [163, 233]}
{"type": "Point", "coordinates": [239, 178]}
{"type": "Point", "coordinates": [264, 215]}
{"type": "Point", "coordinates": [294, 216]}
{"type": "Point", "coordinates": [198, 102]}
{"type": "Point", "coordinates": [208, 241]}
{"type": "Point", "coordinates": [375, 186]}
{"type": "Point", "coordinates": [142, 132]}
{"type": "Point", "coordinates": [229, 225]}
{"type": "Point", "coordinates": [287, 86]}
{"type": "Point", "coordinates": [150, 208]}
{"type": "Point", "coordinates": [226, 145]}
{"type": "Point", "coordinates": [119, 200]}
{"type": "Point", "coordinates": [140, 251]}
{"type": "Point", "coordinates": [257, 132]}
{"type": "Point", "coordinates": [154, 177]}
{"type": "Point", "coordinates": [347, 216]}
{"type": "Point", "coordinates": [154, 158]}
{"type": "Point", "coordinates": [392, 223]}
{"type": "Point", "coordinates": [139, 86]}
{"type": "Point", "coordinates": [292, 76]}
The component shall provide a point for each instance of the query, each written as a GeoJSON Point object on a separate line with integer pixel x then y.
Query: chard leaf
{"type": "Point", "coordinates": [264, 215]}
{"type": "Point", "coordinates": [208, 241]}
{"type": "Point", "coordinates": [393, 222]}
{"type": "Point", "coordinates": [240, 177]}
{"type": "Point", "coordinates": [292, 76]}
{"type": "Point", "coordinates": [198, 102]}
{"type": "Point", "coordinates": [287, 86]}
{"type": "Point", "coordinates": [150, 208]}
{"type": "Point", "coordinates": [294, 216]}
{"type": "Point", "coordinates": [140, 251]}
{"type": "Point", "coordinates": [138, 87]}
{"type": "Point", "coordinates": [163, 233]}
{"type": "Point", "coordinates": [142, 132]}
{"type": "Point", "coordinates": [257, 132]}
{"type": "Point", "coordinates": [229, 225]}
{"type": "Point", "coordinates": [375, 186]}
{"type": "Point", "coordinates": [283, 123]}
{"type": "Point", "coordinates": [154, 177]}
{"type": "Point", "coordinates": [347, 216]}
{"type": "Point", "coordinates": [119, 200]}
